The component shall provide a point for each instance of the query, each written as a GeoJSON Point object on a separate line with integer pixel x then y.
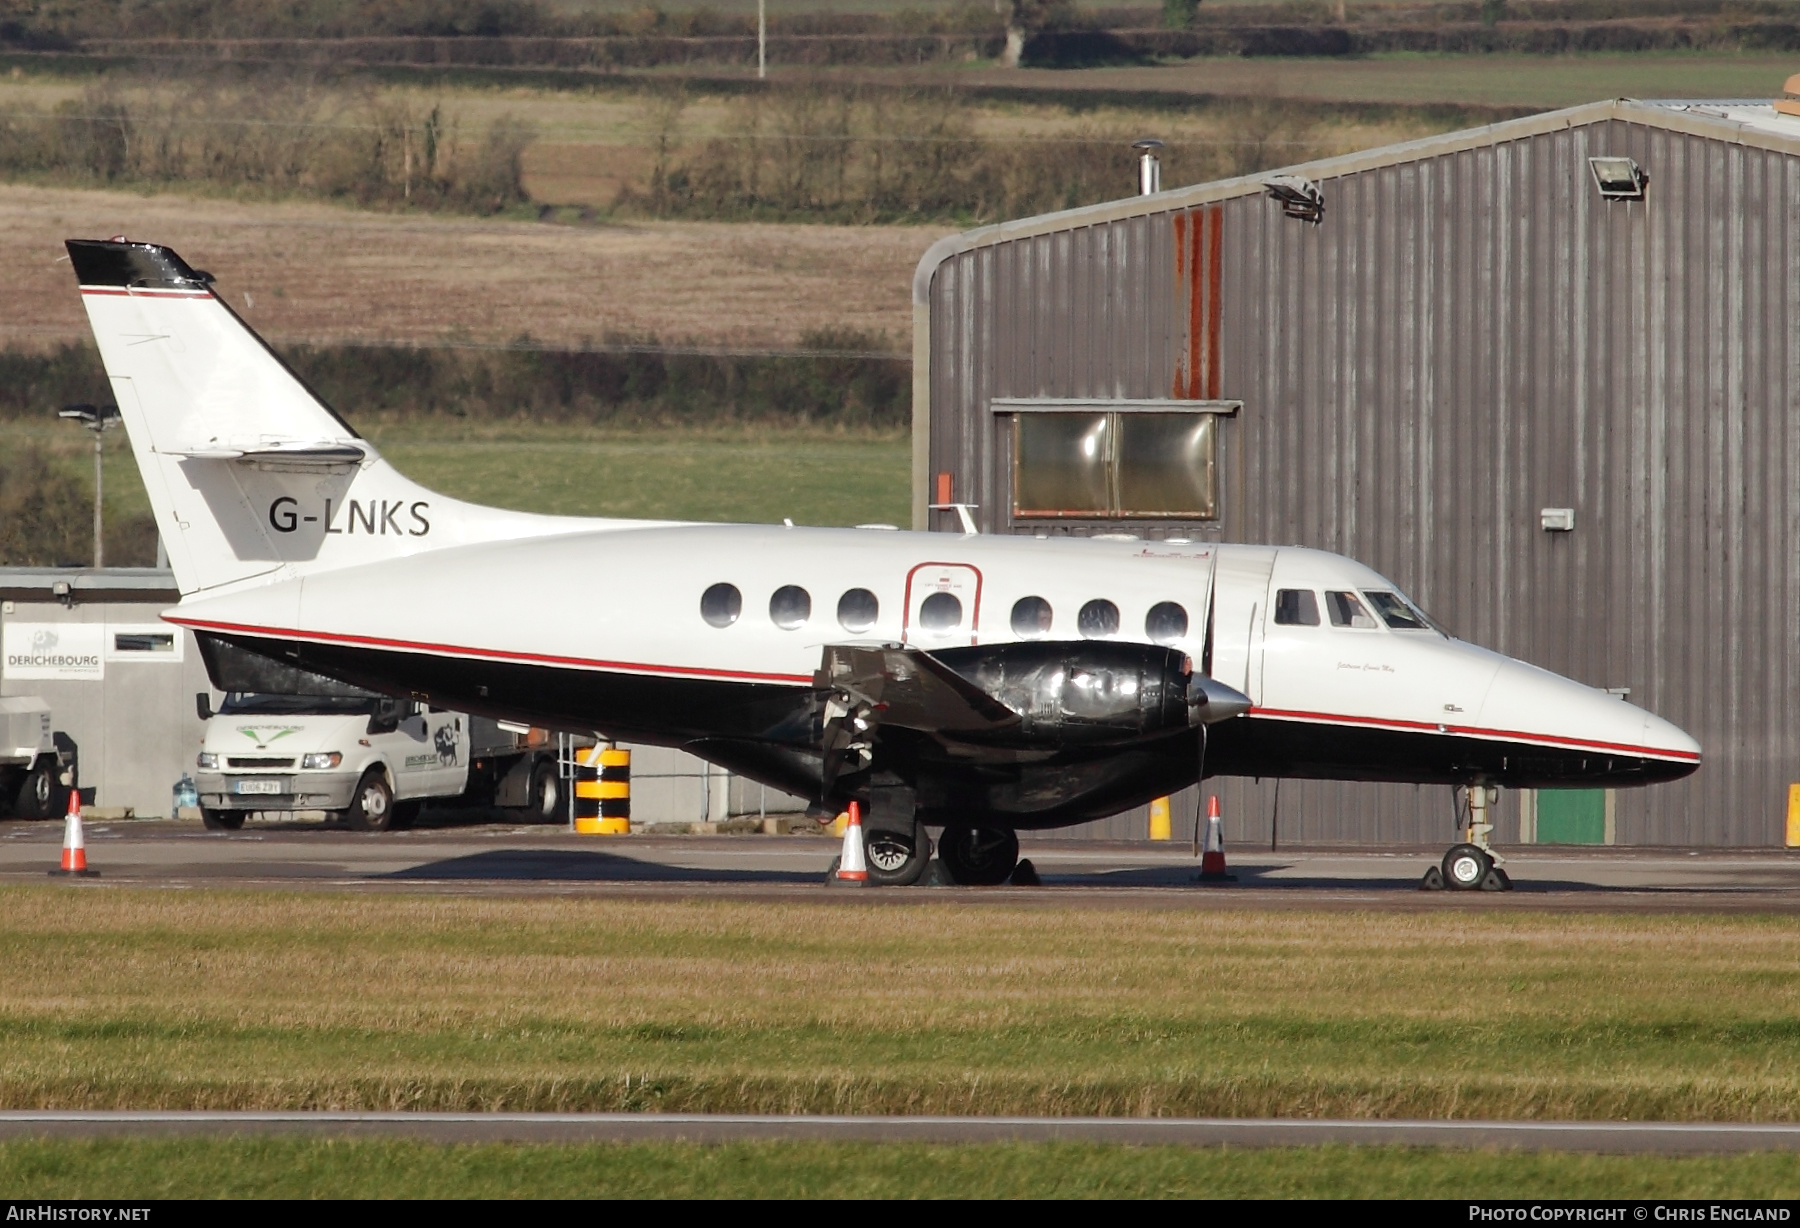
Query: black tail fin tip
{"type": "Point", "coordinates": [114, 262]}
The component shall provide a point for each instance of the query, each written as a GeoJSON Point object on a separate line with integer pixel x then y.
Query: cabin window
{"type": "Point", "coordinates": [940, 612]}
{"type": "Point", "coordinates": [1347, 611]}
{"type": "Point", "coordinates": [1296, 607]}
{"type": "Point", "coordinates": [1165, 623]}
{"type": "Point", "coordinates": [1031, 617]}
{"type": "Point", "coordinates": [1144, 462]}
{"type": "Point", "coordinates": [790, 607]}
{"type": "Point", "coordinates": [858, 609]}
{"type": "Point", "coordinates": [721, 604]}
{"type": "Point", "coordinates": [1395, 612]}
{"type": "Point", "coordinates": [1097, 620]}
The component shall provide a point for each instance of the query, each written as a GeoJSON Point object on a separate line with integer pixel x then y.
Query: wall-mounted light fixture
{"type": "Point", "coordinates": [1300, 197]}
{"type": "Point", "coordinates": [1557, 519]}
{"type": "Point", "coordinates": [1618, 178]}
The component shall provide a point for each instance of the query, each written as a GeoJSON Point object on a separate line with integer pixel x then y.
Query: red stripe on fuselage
{"type": "Point", "coordinates": [1334, 718]}
{"type": "Point", "coordinates": [490, 654]}
{"type": "Point", "coordinates": [146, 293]}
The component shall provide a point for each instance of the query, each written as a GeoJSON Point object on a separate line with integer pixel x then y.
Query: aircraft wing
{"type": "Point", "coordinates": [909, 689]}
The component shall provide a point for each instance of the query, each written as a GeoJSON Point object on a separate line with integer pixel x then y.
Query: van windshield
{"type": "Point", "coordinates": [260, 703]}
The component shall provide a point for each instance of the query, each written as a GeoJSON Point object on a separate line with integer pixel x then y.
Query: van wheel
{"type": "Point", "coordinates": [372, 805]}
{"type": "Point", "coordinates": [543, 794]}
{"type": "Point", "coordinates": [36, 798]}
{"type": "Point", "coordinates": [221, 820]}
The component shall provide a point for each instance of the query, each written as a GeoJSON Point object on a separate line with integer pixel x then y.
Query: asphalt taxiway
{"type": "Point", "coordinates": [500, 859]}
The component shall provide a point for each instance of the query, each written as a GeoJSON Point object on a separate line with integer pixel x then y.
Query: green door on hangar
{"type": "Point", "coordinates": [1571, 816]}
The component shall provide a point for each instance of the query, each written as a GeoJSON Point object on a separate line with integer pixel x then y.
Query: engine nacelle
{"type": "Point", "coordinates": [1087, 692]}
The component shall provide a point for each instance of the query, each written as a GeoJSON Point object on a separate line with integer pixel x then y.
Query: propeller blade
{"type": "Point", "coordinates": [1200, 792]}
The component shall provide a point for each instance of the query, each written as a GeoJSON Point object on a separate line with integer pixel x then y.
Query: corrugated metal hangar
{"type": "Point", "coordinates": [1542, 374]}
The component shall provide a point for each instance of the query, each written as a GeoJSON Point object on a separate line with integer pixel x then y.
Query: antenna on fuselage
{"type": "Point", "coordinates": [964, 512]}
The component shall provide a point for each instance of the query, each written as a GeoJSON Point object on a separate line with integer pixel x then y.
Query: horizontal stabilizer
{"type": "Point", "coordinates": [312, 454]}
{"type": "Point", "coordinates": [908, 689]}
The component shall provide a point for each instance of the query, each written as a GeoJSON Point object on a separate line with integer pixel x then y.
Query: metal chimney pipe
{"type": "Point", "coordinates": [1149, 166]}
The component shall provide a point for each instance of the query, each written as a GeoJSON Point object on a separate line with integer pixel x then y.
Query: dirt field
{"type": "Point", "coordinates": [317, 272]}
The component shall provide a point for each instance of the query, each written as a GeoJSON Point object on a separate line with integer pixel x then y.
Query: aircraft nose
{"type": "Point", "coordinates": [1549, 710]}
{"type": "Point", "coordinates": [1666, 736]}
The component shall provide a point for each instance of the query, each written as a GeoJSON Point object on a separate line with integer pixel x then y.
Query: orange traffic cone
{"type": "Point", "coordinates": [74, 850]}
{"type": "Point", "coordinates": [853, 867]}
{"type": "Point", "coordinates": [1212, 862]}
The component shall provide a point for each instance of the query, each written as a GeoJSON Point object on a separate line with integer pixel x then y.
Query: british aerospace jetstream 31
{"type": "Point", "coordinates": [978, 684]}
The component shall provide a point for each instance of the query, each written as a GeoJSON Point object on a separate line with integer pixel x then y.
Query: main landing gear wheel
{"type": "Point", "coordinates": [1465, 866]}
{"type": "Point", "coordinates": [979, 856]}
{"type": "Point", "coordinates": [896, 859]}
{"type": "Point", "coordinates": [372, 805]}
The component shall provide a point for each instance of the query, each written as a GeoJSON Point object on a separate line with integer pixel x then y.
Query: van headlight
{"type": "Point", "coordinates": [207, 761]}
{"type": "Point", "coordinates": [321, 759]}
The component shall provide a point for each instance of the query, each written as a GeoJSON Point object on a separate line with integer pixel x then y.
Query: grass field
{"type": "Point", "coordinates": [741, 475]}
{"type": "Point", "coordinates": [1500, 80]}
{"type": "Point", "coordinates": [744, 475]}
{"type": "Point", "coordinates": [272, 1168]}
{"type": "Point", "coordinates": [208, 999]}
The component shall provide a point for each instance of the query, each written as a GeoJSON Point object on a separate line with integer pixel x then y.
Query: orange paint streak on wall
{"type": "Point", "coordinates": [1199, 249]}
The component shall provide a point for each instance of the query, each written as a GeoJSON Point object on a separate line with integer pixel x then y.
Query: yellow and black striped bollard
{"type": "Point", "coordinates": [615, 792]}
{"type": "Point", "coordinates": [587, 793]}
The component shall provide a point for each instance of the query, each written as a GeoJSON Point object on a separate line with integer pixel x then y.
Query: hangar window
{"type": "Point", "coordinates": [940, 612]}
{"type": "Point", "coordinates": [1098, 619]}
{"type": "Point", "coordinates": [858, 609]}
{"type": "Point", "coordinates": [1347, 611]}
{"type": "Point", "coordinates": [721, 604]}
{"type": "Point", "coordinates": [1165, 623]}
{"type": "Point", "coordinates": [1031, 617]}
{"type": "Point", "coordinates": [790, 607]}
{"type": "Point", "coordinates": [1115, 459]}
{"type": "Point", "coordinates": [1296, 607]}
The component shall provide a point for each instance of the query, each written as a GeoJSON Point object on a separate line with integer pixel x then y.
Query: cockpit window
{"type": "Point", "coordinates": [1347, 611]}
{"type": "Point", "coordinates": [1296, 607]}
{"type": "Point", "coordinates": [1395, 612]}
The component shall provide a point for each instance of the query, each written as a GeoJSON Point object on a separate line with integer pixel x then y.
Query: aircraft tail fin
{"type": "Point", "coordinates": [249, 472]}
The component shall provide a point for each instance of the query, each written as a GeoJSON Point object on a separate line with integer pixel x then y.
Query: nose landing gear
{"type": "Point", "coordinates": [1472, 865]}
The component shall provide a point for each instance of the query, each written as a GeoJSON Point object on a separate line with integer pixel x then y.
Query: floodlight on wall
{"type": "Point", "coordinates": [1618, 178]}
{"type": "Point", "coordinates": [1300, 197]}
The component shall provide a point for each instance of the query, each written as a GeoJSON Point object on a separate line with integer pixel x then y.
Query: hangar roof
{"type": "Point", "coordinates": [121, 584]}
{"type": "Point", "coordinates": [1753, 122]}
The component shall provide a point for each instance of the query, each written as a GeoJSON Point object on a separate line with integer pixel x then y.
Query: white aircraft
{"type": "Point", "coordinates": [978, 684]}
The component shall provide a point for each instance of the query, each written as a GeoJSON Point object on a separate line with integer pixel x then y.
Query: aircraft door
{"type": "Point", "coordinates": [1240, 595]}
{"type": "Point", "coordinates": [943, 606]}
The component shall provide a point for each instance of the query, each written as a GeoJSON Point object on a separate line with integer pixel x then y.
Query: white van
{"type": "Point", "coordinates": [366, 759]}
